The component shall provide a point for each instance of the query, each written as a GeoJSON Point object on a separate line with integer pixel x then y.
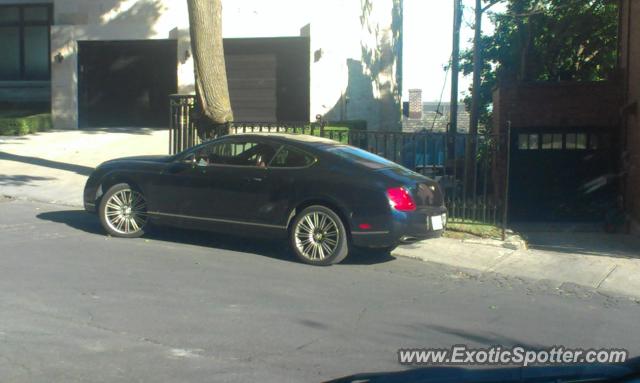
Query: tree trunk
{"type": "Point", "coordinates": [212, 91]}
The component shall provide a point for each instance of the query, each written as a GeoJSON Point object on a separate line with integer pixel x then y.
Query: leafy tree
{"type": "Point", "coordinates": [546, 40]}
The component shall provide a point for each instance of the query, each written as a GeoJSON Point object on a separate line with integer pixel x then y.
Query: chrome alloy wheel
{"type": "Point", "coordinates": [316, 236]}
{"type": "Point", "coordinates": [126, 211]}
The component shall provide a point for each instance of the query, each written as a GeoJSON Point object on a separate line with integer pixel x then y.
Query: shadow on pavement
{"type": "Point", "coordinates": [578, 238]}
{"type": "Point", "coordinates": [277, 249]}
{"type": "Point", "coordinates": [77, 219]}
{"type": "Point", "coordinates": [479, 337]}
{"type": "Point", "coordinates": [82, 170]}
{"type": "Point", "coordinates": [21, 179]}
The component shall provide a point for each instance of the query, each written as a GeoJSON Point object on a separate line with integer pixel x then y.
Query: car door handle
{"type": "Point", "coordinates": [256, 179]}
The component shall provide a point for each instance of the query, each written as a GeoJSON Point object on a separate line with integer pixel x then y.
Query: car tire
{"type": "Point", "coordinates": [123, 211]}
{"type": "Point", "coordinates": [319, 237]}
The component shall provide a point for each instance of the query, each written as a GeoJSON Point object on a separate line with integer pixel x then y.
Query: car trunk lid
{"type": "Point", "coordinates": [424, 191]}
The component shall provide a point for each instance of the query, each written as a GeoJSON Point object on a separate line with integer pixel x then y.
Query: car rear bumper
{"type": "Point", "coordinates": [405, 227]}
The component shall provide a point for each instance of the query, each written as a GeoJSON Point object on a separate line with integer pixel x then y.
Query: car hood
{"type": "Point", "coordinates": [152, 158]}
{"type": "Point", "coordinates": [560, 373]}
{"type": "Point", "coordinates": [137, 159]}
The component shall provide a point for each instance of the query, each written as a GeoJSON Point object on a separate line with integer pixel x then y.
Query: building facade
{"type": "Point", "coordinates": [630, 65]}
{"type": "Point", "coordinates": [435, 117]}
{"type": "Point", "coordinates": [114, 62]}
{"type": "Point", "coordinates": [575, 145]}
{"type": "Point", "coordinates": [563, 155]}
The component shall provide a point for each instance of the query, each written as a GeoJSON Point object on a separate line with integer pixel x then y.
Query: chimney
{"type": "Point", "coordinates": [415, 104]}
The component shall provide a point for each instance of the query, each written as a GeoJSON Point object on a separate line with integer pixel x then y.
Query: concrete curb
{"type": "Point", "coordinates": [513, 242]}
{"type": "Point", "coordinates": [603, 273]}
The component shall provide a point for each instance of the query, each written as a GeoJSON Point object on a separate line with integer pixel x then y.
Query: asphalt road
{"type": "Point", "coordinates": [76, 305]}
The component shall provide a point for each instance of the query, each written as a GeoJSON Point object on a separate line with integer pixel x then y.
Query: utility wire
{"type": "Point", "coordinates": [446, 75]}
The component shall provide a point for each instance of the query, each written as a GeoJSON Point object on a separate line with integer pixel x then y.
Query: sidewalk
{"type": "Point", "coordinates": [614, 267]}
{"type": "Point", "coordinates": [53, 166]}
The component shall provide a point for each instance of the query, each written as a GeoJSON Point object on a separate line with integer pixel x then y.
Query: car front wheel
{"type": "Point", "coordinates": [318, 236]}
{"type": "Point", "coordinates": [123, 211]}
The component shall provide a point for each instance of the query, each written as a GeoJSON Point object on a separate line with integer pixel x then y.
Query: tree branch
{"type": "Point", "coordinates": [489, 5]}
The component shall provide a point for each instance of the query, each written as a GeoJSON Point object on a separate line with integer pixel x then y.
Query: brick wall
{"type": "Point", "coordinates": [552, 105]}
{"type": "Point", "coordinates": [630, 65]}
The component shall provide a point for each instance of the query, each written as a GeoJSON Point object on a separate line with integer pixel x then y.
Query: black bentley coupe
{"type": "Point", "coordinates": [323, 195]}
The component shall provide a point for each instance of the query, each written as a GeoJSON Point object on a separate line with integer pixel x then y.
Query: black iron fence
{"type": "Point", "coordinates": [462, 163]}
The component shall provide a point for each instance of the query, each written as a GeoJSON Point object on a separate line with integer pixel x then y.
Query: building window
{"type": "Point", "coordinates": [24, 42]}
{"type": "Point", "coordinates": [594, 142]}
{"type": "Point", "coordinates": [551, 141]}
{"type": "Point", "coordinates": [575, 141]}
{"type": "Point", "coordinates": [528, 142]}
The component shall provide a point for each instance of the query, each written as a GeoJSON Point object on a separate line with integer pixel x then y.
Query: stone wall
{"type": "Point", "coordinates": [356, 61]}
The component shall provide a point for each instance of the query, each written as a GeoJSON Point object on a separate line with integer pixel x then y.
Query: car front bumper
{"type": "Point", "coordinates": [89, 195]}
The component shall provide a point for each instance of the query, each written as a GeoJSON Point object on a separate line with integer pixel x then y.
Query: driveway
{"type": "Point", "coordinates": [53, 166]}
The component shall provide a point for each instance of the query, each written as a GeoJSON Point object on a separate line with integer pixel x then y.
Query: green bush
{"type": "Point", "coordinates": [19, 126]}
{"type": "Point", "coordinates": [350, 124]}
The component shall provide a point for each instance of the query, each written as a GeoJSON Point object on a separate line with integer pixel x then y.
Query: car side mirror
{"type": "Point", "coordinates": [189, 160]}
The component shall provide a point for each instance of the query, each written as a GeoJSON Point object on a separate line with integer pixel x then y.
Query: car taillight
{"type": "Point", "coordinates": [400, 199]}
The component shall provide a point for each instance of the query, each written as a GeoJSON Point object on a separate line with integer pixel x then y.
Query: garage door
{"type": "Point", "coordinates": [559, 175]}
{"type": "Point", "coordinates": [268, 78]}
{"type": "Point", "coordinates": [252, 86]}
{"type": "Point", "coordinates": [125, 83]}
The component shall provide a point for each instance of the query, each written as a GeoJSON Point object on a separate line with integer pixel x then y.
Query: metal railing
{"type": "Point", "coordinates": [471, 194]}
{"type": "Point", "coordinates": [182, 131]}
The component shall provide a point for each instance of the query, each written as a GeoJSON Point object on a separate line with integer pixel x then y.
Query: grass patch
{"type": "Point", "coordinates": [14, 124]}
{"type": "Point", "coordinates": [461, 230]}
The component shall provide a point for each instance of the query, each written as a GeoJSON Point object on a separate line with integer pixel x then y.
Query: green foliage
{"type": "Point", "coordinates": [350, 124]}
{"type": "Point", "coordinates": [546, 40]}
{"type": "Point", "coordinates": [19, 126]}
{"type": "Point", "coordinates": [337, 133]}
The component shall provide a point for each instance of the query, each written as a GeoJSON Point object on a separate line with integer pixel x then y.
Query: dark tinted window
{"type": "Point", "coordinates": [239, 153]}
{"type": "Point", "coordinates": [24, 42]}
{"type": "Point", "coordinates": [362, 157]}
{"type": "Point", "coordinates": [289, 157]}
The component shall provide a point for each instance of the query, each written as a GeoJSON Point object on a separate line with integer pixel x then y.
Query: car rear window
{"type": "Point", "coordinates": [288, 157]}
{"type": "Point", "coordinates": [361, 157]}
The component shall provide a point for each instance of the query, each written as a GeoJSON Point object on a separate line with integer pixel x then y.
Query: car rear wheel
{"type": "Point", "coordinates": [123, 211]}
{"type": "Point", "coordinates": [318, 236]}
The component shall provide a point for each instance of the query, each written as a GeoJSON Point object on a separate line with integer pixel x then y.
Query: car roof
{"type": "Point", "coordinates": [291, 137]}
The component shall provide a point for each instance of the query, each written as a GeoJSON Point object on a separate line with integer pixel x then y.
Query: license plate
{"type": "Point", "coordinates": [436, 222]}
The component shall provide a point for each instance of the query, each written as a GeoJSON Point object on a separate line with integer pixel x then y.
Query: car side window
{"type": "Point", "coordinates": [289, 157]}
{"type": "Point", "coordinates": [238, 153]}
